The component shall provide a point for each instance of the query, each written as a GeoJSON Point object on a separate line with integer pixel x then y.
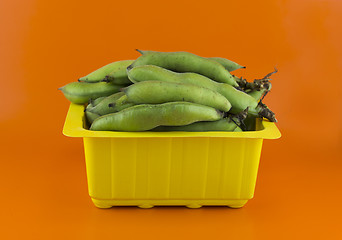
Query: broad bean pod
{"type": "Point", "coordinates": [148, 116]}
{"type": "Point", "coordinates": [154, 92]}
{"type": "Point", "coordinates": [82, 92]}
{"type": "Point", "coordinates": [186, 62]}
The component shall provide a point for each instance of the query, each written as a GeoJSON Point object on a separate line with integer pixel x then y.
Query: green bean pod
{"type": "Point", "coordinates": [185, 62]}
{"type": "Point", "coordinates": [116, 72]}
{"type": "Point", "coordinates": [82, 92]}
{"type": "Point", "coordinates": [146, 116]}
{"type": "Point", "coordinates": [225, 124]}
{"type": "Point", "coordinates": [238, 99]}
{"type": "Point", "coordinates": [227, 64]}
{"type": "Point", "coordinates": [156, 92]}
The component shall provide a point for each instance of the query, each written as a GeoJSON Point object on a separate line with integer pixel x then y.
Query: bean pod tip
{"type": "Point", "coordinates": [139, 51]}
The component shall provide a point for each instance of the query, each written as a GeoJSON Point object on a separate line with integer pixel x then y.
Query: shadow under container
{"type": "Point", "coordinates": [192, 169]}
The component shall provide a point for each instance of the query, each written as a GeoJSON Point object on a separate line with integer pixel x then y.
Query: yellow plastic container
{"type": "Point", "coordinates": [191, 169]}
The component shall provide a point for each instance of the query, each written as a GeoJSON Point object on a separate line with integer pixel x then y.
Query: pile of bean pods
{"type": "Point", "coordinates": [170, 91]}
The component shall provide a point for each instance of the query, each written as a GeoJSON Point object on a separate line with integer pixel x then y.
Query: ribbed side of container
{"type": "Point", "coordinates": [172, 168]}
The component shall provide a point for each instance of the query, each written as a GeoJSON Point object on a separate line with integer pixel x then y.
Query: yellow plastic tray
{"type": "Point", "coordinates": [190, 169]}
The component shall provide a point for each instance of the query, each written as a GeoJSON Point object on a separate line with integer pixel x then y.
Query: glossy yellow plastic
{"type": "Point", "coordinates": [190, 169]}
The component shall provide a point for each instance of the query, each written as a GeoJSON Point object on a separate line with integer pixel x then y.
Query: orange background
{"type": "Point", "coordinates": [47, 44]}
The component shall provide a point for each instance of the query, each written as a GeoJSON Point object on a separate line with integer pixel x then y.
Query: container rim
{"type": "Point", "coordinates": [73, 127]}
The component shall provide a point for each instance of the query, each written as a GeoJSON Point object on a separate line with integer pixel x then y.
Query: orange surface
{"type": "Point", "coordinates": [47, 44]}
